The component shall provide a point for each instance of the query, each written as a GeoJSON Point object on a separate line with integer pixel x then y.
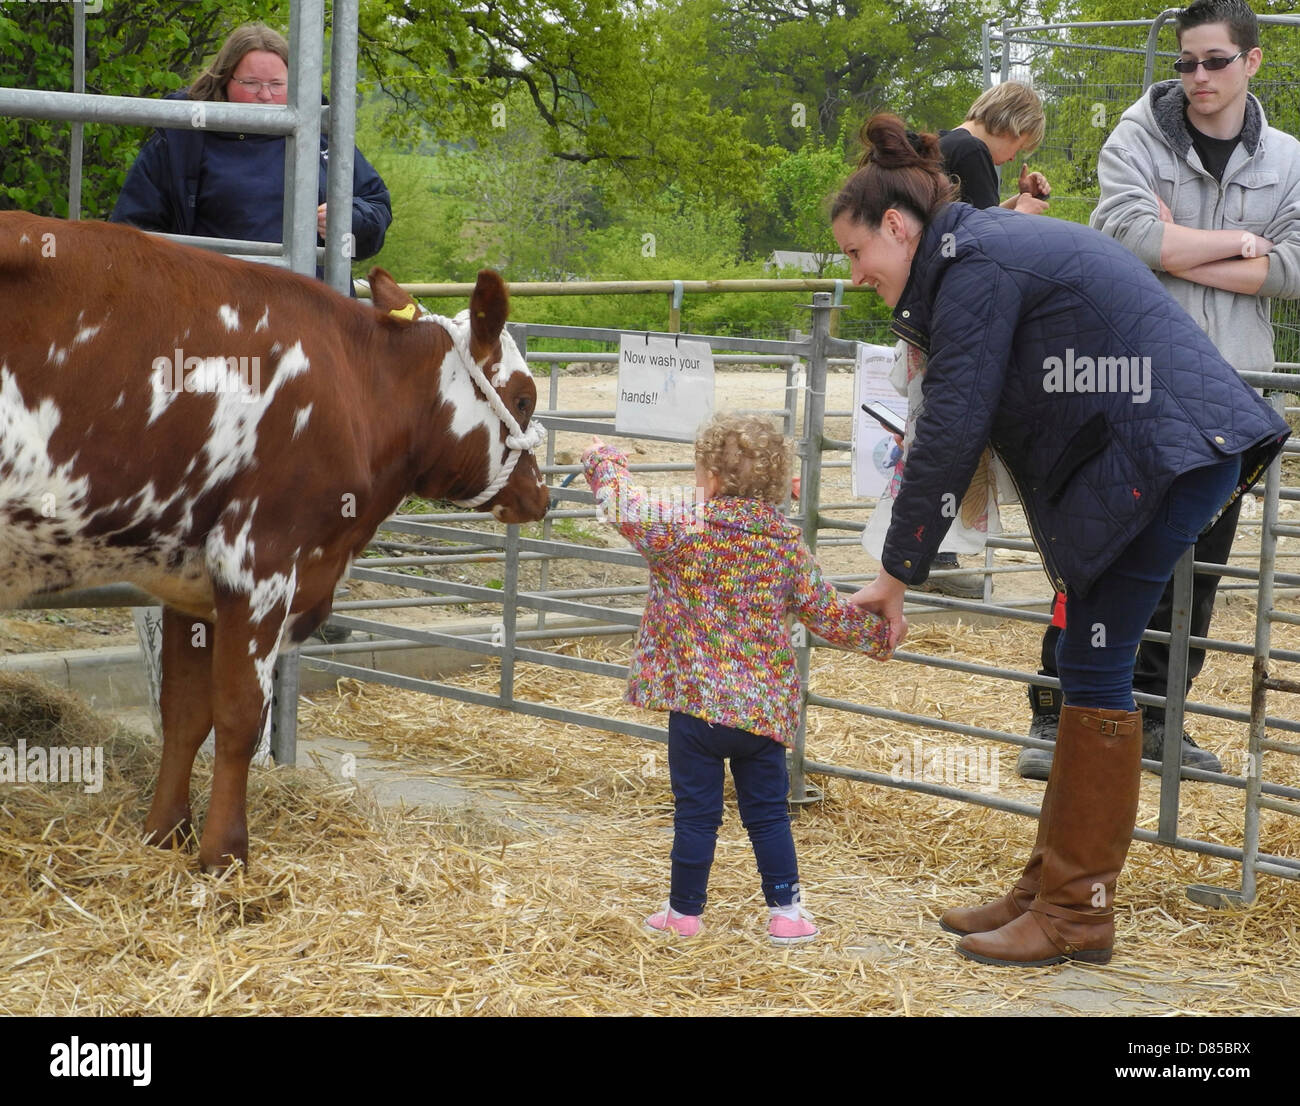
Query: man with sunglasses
{"type": "Point", "coordinates": [1198, 185]}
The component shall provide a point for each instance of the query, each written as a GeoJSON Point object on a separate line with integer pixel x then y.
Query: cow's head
{"type": "Point", "coordinates": [489, 396]}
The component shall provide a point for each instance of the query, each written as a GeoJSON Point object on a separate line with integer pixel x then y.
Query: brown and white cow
{"type": "Point", "coordinates": [228, 436]}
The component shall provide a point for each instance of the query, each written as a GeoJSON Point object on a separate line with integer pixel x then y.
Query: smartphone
{"type": "Point", "coordinates": [895, 424]}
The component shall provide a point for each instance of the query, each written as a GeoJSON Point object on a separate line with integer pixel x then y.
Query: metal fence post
{"type": "Point", "coordinates": [340, 247]}
{"type": "Point", "coordinates": [1259, 668]}
{"type": "Point", "coordinates": [77, 149]}
{"type": "Point", "coordinates": [810, 478]}
{"type": "Point", "coordinates": [509, 613]}
{"type": "Point", "coordinates": [1180, 629]}
{"type": "Point", "coordinates": [302, 146]}
{"type": "Point", "coordinates": [519, 332]}
{"type": "Point", "coordinates": [1153, 36]}
{"type": "Point", "coordinates": [284, 708]}
{"type": "Point", "coordinates": [301, 188]}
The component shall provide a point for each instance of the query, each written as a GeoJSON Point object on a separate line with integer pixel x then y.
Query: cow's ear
{"type": "Point", "coordinates": [488, 308]}
{"type": "Point", "coordinates": [385, 294]}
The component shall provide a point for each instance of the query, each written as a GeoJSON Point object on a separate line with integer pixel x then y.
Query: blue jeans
{"type": "Point", "coordinates": [695, 753]}
{"type": "Point", "coordinates": [1096, 651]}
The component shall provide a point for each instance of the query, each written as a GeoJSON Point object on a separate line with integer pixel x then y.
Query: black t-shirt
{"type": "Point", "coordinates": [1214, 152]}
{"type": "Point", "coordinates": [968, 159]}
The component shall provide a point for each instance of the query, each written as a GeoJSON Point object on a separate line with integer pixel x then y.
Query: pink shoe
{"type": "Point", "coordinates": [669, 921]}
{"type": "Point", "coordinates": [791, 925]}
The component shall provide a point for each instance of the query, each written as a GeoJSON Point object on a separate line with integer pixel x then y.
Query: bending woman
{"type": "Point", "coordinates": [1126, 433]}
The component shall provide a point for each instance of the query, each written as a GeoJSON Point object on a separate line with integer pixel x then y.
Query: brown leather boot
{"type": "Point", "coordinates": [993, 915]}
{"type": "Point", "coordinates": [1086, 836]}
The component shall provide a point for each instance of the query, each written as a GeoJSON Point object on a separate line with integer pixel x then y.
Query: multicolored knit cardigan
{"type": "Point", "coordinates": [728, 576]}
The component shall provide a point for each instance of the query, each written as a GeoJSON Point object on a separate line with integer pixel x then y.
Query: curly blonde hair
{"type": "Point", "coordinates": [748, 454]}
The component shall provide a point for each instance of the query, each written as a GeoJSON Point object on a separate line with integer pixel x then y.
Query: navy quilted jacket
{"type": "Point", "coordinates": [1058, 347]}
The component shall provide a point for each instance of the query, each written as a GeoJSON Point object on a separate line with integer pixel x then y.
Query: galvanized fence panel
{"type": "Point", "coordinates": [806, 363]}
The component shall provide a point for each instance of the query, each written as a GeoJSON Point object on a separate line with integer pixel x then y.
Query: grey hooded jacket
{"type": "Point", "coordinates": [1150, 154]}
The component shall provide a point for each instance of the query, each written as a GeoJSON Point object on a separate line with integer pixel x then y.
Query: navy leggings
{"type": "Point", "coordinates": [1096, 651]}
{"type": "Point", "coordinates": [695, 753]}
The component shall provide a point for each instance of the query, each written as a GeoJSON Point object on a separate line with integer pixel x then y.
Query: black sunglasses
{"type": "Point", "coordinates": [1213, 65]}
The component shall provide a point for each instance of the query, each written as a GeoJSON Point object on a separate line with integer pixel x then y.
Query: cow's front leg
{"type": "Point", "coordinates": [247, 640]}
{"type": "Point", "coordinates": [186, 707]}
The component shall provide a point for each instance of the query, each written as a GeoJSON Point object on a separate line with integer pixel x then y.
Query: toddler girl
{"type": "Point", "coordinates": [727, 575]}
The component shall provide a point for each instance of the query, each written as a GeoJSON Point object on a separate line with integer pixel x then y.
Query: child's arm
{"type": "Point", "coordinates": [821, 609]}
{"type": "Point", "coordinates": [653, 526]}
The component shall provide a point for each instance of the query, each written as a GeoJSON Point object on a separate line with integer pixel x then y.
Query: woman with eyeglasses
{"type": "Point", "coordinates": [1126, 434]}
{"type": "Point", "coordinates": [230, 185]}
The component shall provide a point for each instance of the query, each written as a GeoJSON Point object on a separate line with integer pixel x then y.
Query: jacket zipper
{"type": "Point", "coordinates": [1054, 576]}
{"type": "Point", "coordinates": [1053, 573]}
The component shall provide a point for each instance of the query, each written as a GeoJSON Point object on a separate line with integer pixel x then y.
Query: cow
{"type": "Point", "coordinates": [228, 437]}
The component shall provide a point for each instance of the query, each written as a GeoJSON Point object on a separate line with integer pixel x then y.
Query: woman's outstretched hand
{"type": "Point", "coordinates": [884, 597]}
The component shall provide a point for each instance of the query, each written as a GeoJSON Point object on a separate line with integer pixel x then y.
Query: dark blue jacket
{"type": "Point", "coordinates": [221, 185]}
{"type": "Point", "coordinates": [1058, 347]}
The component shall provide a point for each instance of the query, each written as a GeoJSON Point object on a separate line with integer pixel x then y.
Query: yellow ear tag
{"type": "Point", "coordinates": [407, 312]}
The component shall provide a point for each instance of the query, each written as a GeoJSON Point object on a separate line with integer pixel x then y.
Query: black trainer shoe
{"type": "Point", "coordinates": [1193, 756]}
{"type": "Point", "coordinates": [1036, 764]}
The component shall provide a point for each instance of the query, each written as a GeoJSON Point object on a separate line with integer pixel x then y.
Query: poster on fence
{"type": "Point", "coordinates": [874, 449]}
{"type": "Point", "coordinates": [665, 387]}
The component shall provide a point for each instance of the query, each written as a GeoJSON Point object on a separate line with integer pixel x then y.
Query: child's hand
{"type": "Point", "coordinates": [884, 597]}
{"type": "Point", "coordinates": [596, 443]}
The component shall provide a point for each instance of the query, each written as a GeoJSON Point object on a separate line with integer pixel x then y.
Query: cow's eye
{"type": "Point", "coordinates": [523, 405]}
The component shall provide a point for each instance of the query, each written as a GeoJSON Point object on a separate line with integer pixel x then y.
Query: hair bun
{"type": "Point", "coordinates": [889, 144]}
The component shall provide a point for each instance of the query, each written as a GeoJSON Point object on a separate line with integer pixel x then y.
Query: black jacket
{"type": "Point", "coordinates": [164, 190]}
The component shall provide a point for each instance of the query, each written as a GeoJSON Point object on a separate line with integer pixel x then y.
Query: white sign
{"type": "Point", "coordinates": [665, 387]}
{"type": "Point", "coordinates": [874, 448]}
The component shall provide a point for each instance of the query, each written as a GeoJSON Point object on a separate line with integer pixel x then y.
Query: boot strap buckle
{"type": "Point", "coordinates": [1108, 727]}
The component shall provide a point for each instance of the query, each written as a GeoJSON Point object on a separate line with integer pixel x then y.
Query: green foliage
{"type": "Point", "coordinates": [130, 51]}
{"type": "Point", "coordinates": [795, 198]}
{"type": "Point", "coordinates": [425, 241]}
{"type": "Point", "coordinates": [610, 82]}
{"type": "Point", "coordinates": [816, 65]}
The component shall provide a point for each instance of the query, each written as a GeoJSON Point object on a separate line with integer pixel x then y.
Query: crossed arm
{"type": "Point", "coordinates": [1131, 210]}
{"type": "Point", "coordinates": [1236, 261]}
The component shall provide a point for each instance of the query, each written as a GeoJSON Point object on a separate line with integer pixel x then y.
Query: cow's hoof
{"type": "Point", "coordinates": [217, 862]}
{"type": "Point", "coordinates": [172, 833]}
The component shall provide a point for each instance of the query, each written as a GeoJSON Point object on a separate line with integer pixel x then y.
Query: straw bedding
{"type": "Point", "coordinates": [528, 899]}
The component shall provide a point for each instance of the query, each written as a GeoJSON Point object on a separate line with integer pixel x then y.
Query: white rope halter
{"type": "Point", "coordinates": [518, 440]}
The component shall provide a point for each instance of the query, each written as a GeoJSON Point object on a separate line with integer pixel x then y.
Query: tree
{"type": "Point", "coordinates": [791, 67]}
{"type": "Point", "coordinates": [616, 85]}
{"type": "Point", "coordinates": [796, 192]}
